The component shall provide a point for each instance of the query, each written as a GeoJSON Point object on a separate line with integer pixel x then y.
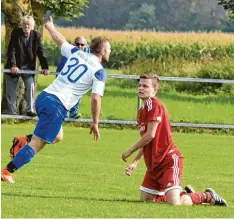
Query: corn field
{"type": "Point", "coordinates": [134, 37]}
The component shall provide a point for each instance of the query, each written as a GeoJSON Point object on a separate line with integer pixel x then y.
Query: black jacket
{"type": "Point", "coordinates": [17, 49]}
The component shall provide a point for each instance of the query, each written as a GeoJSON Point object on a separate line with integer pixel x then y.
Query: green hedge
{"type": "Point", "coordinates": [214, 68]}
{"type": "Point", "coordinates": [124, 53]}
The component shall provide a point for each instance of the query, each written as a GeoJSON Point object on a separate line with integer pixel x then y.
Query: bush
{"type": "Point", "coordinates": [52, 52]}
{"type": "Point", "coordinates": [216, 69]}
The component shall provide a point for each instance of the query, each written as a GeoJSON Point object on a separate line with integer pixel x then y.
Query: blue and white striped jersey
{"type": "Point", "coordinates": [81, 72]}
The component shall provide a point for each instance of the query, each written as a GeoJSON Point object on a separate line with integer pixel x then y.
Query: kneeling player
{"type": "Point", "coordinates": [164, 161]}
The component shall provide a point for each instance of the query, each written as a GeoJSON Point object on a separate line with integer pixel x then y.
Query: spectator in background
{"type": "Point", "coordinates": [81, 43]}
{"type": "Point", "coordinates": [24, 46]}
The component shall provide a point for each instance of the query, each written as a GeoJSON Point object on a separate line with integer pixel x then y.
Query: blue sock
{"type": "Point", "coordinates": [22, 157]}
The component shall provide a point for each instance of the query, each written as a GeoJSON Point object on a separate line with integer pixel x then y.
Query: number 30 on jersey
{"type": "Point", "coordinates": [74, 71]}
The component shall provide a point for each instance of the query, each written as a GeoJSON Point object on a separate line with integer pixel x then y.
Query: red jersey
{"type": "Point", "coordinates": [162, 143]}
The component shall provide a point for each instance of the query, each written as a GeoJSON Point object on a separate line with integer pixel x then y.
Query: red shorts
{"type": "Point", "coordinates": [165, 176]}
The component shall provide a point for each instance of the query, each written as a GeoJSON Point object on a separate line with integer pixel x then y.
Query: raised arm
{"type": "Point", "coordinates": [56, 36]}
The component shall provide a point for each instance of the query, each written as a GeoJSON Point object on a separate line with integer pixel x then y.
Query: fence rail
{"type": "Point", "coordinates": [129, 122]}
{"type": "Point", "coordinates": [124, 122]}
{"type": "Point", "coordinates": [120, 76]}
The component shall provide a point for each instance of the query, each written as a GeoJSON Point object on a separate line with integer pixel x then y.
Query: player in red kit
{"type": "Point", "coordinates": [164, 161]}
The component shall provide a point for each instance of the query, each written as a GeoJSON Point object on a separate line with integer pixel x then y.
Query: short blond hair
{"type": "Point", "coordinates": [28, 17]}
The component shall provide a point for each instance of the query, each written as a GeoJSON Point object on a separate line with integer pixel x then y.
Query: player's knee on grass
{"type": "Point", "coordinates": [173, 197]}
{"type": "Point", "coordinates": [186, 200]}
{"type": "Point", "coordinates": [146, 196]}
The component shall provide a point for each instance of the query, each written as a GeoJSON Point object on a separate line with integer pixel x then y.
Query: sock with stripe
{"type": "Point", "coordinates": [200, 197]}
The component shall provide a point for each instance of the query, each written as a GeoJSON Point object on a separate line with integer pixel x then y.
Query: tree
{"type": "Point", "coordinates": [187, 15]}
{"type": "Point", "coordinates": [206, 15]}
{"type": "Point", "coordinates": [143, 18]}
{"type": "Point", "coordinates": [173, 14]}
{"type": "Point", "coordinates": [229, 6]}
{"type": "Point", "coordinates": [111, 14]}
{"type": "Point", "coordinates": [15, 9]}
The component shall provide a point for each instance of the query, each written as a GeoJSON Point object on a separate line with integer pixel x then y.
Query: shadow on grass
{"type": "Point", "coordinates": [71, 198]}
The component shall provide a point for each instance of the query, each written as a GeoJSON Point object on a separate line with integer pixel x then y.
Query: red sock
{"type": "Point", "coordinates": [208, 197]}
{"type": "Point", "coordinates": [160, 198]}
{"type": "Point", "coordinates": [200, 197]}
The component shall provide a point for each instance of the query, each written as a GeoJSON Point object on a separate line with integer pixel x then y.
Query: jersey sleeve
{"type": "Point", "coordinates": [67, 49]}
{"type": "Point", "coordinates": [99, 80]}
{"type": "Point", "coordinates": [155, 111]}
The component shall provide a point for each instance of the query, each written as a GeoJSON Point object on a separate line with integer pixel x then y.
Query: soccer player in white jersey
{"type": "Point", "coordinates": [82, 72]}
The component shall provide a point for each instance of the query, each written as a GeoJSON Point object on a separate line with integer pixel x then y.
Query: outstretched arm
{"type": "Point", "coordinates": [56, 36]}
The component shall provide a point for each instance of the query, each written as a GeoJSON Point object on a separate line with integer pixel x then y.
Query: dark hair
{"type": "Point", "coordinates": [97, 44]}
{"type": "Point", "coordinates": [154, 78]}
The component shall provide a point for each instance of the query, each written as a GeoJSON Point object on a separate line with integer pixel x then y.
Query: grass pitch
{"type": "Point", "coordinates": [82, 178]}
